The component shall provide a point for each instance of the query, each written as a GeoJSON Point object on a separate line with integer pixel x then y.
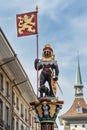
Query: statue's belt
{"type": "Point", "coordinates": [46, 69]}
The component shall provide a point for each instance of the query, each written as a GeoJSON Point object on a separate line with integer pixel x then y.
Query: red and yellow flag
{"type": "Point", "coordinates": [26, 24]}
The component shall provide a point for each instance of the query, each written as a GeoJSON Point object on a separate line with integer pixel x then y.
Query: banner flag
{"type": "Point", "coordinates": [26, 24]}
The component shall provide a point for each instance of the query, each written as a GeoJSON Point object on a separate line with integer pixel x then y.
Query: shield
{"type": "Point", "coordinates": [54, 85]}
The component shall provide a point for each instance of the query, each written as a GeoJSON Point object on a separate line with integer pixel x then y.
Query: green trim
{"type": "Point", "coordinates": [79, 94]}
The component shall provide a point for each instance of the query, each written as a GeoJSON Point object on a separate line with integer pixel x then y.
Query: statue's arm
{"type": "Point", "coordinates": [37, 64]}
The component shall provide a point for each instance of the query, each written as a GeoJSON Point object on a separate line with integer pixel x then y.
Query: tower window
{"type": "Point", "coordinates": [79, 108]}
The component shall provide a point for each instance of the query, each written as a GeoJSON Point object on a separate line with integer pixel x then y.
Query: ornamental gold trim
{"type": "Point", "coordinates": [40, 112]}
{"type": "Point", "coordinates": [52, 109]}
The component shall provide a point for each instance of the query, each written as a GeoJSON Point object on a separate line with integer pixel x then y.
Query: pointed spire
{"type": "Point", "coordinates": [78, 75]}
{"type": "Point", "coordinates": [78, 85]}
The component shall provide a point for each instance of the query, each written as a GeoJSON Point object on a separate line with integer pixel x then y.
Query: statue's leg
{"type": "Point", "coordinates": [41, 94]}
{"type": "Point", "coordinates": [42, 82]}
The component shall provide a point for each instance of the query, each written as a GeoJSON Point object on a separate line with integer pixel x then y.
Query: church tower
{"type": "Point", "coordinates": [78, 84]}
{"type": "Point", "coordinates": [76, 117]}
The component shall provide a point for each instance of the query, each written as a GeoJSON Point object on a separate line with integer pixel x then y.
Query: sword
{"type": "Point", "coordinates": [60, 88]}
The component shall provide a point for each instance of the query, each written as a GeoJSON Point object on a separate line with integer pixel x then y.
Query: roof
{"type": "Point", "coordinates": [12, 66]}
{"type": "Point", "coordinates": [78, 110]}
{"type": "Point", "coordinates": [73, 113]}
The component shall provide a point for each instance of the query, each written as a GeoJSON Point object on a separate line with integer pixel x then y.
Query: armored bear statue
{"type": "Point", "coordinates": [49, 71]}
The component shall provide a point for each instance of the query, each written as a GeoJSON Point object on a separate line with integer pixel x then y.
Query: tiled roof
{"type": "Point", "coordinates": [72, 112]}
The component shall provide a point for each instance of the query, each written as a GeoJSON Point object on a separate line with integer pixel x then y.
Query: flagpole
{"type": "Point", "coordinates": [37, 47]}
{"type": "Point", "coordinates": [30, 28]}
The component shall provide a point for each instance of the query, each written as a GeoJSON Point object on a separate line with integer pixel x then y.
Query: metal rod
{"type": "Point", "coordinates": [12, 59]}
{"type": "Point", "coordinates": [37, 48]}
{"type": "Point", "coordinates": [19, 83]}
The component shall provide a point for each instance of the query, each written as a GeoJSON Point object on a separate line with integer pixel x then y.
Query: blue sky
{"type": "Point", "coordinates": [63, 24]}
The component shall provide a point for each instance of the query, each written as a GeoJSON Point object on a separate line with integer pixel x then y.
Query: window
{"type": "Point", "coordinates": [7, 115]}
{"type": "Point", "coordinates": [7, 89]}
{"type": "Point", "coordinates": [13, 122]}
{"type": "Point", "coordinates": [79, 109]}
{"type": "Point", "coordinates": [30, 118]}
{"type": "Point", "coordinates": [17, 103]}
{"type": "Point", "coordinates": [1, 113]}
{"type": "Point", "coordinates": [1, 82]}
{"type": "Point", "coordinates": [25, 114]}
{"type": "Point", "coordinates": [17, 125]}
{"type": "Point", "coordinates": [7, 126]}
{"type": "Point", "coordinates": [22, 127]}
{"type": "Point", "coordinates": [1, 109]}
{"type": "Point", "coordinates": [22, 110]}
{"type": "Point", "coordinates": [13, 98]}
{"type": "Point", "coordinates": [32, 122]}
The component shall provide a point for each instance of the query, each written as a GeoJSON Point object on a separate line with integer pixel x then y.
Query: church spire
{"type": "Point", "coordinates": [78, 84]}
{"type": "Point", "coordinates": [78, 76]}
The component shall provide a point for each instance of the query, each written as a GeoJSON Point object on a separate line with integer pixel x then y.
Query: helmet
{"type": "Point", "coordinates": [47, 52]}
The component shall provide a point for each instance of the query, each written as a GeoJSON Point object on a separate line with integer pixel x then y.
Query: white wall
{"type": "Point", "coordinates": [78, 127]}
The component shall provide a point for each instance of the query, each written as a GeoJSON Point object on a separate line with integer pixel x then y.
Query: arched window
{"type": "Point", "coordinates": [79, 108]}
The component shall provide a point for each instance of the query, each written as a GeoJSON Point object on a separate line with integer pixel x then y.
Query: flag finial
{"type": "Point", "coordinates": [37, 8]}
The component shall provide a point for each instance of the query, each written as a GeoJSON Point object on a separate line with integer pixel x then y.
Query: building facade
{"type": "Point", "coordinates": [16, 91]}
{"type": "Point", "coordinates": [76, 117]}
